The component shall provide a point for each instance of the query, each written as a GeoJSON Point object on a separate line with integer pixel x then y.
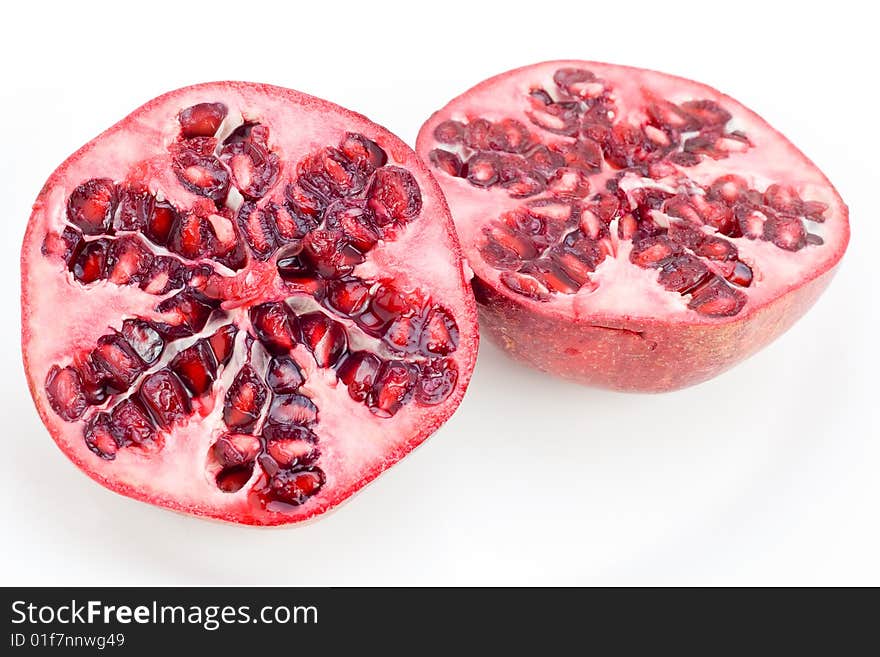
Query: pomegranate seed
{"type": "Point", "coordinates": [233, 449]}
{"type": "Point", "coordinates": [814, 239]}
{"type": "Point", "coordinates": [446, 161]}
{"type": "Point", "coordinates": [196, 367]}
{"type": "Point", "coordinates": [292, 409]}
{"type": "Point", "coordinates": [670, 116]}
{"type": "Point", "coordinates": [192, 236]}
{"type": "Point", "coordinates": [258, 228]}
{"type": "Point", "coordinates": [682, 273]}
{"type": "Point", "coordinates": [276, 327]}
{"type": "Point", "coordinates": [254, 168]}
{"type": "Point", "coordinates": [90, 265]}
{"type": "Point", "coordinates": [244, 400]}
{"type": "Point", "coordinates": [585, 155]}
{"type": "Point", "coordinates": [99, 437]}
{"type": "Point", "coordinates": [741, 274]}
{"type": "Point", "coordinates": [348, 296]}
{"type": "Point", "coordinates": [129, 423]}
{"type": "Point", "coordinates": [355, 221]}
{"type": "Point", "coordinates": [573, 266]}
{"type": "Point", "coordinates": [449, 132]}
{"type": "Point", "coordinates": [94, 380]}
{"type": "Point", "coordinates": [232, 480]}
{"type": "Point", "coordinates": [499, 256]}
{"type": "Point", "coordinates": [162, 394]}
{"type": "Point", "coordinates": [544, 161]}
{"type": "Point", "coordinates": [717, 299]}
{"type": "Point", "coordinates": [707, 113]}
{"type": "Point", "coordinates": [440, 334]}
{"type": "Point", "coordinates": [135, 207]}
{"type": "Point", "coordinates": [66, 246]}
{"type": "Point", "coordinates": [276, 432]}
{"type": "Point", "coordinates": [570, 79]}
{"type": "Point", "coordinates": [437, 379]}
{"type": "Point", "coordinates": [558, 118]}
{"type": "Point", "coordinates": [358, 371]}
{"type": "Point", "coordinates": [165, 274]}
{"type": "Point", "coordinates": [785, 232]}
{"type": "Point", "coordinates": [201, 174]}
{"type": "Point", "coordinates": [525, 285]}
{"type": "Point", "coordinates": [64, 390]}
{"type": "Point", "coordinates": [783, 198]}
{"type": "Point", "coordinates": [295, 487]}
{"type": "Point", "coordinates": [569, 182]}
{"type": "Point", "coordinates": [160, 222]}
{"type": "Point", "coordinates": [551, 275]}
{"type": "Point", "coordinates": [540, 96]}
{"type": "Point", "coordinates": [223, 342]}
{"type": "Point", "coordinates": [144, 339]}
{"type": "Point", "coordinates": [290, 223]}
{"type": "Point", "coordinates": [202, 120]}
{"type": "Point", "coordinates": [482, 169]}
{"type": "Point", "coordinates": [730, 189]}
{"type": "Point", "coordinates": [393, 388]}
{"type": "Point", "coordinates": [394, 196]}
{"type": "Point", "coordinates": [650, 251]}
{"type": "Point", "coordinates": [813, 210]}
{"type": "Point", "coordinates": [117, 361]}
{"type": "Point", "coordinates": [365, 153]}
{"type": "Point", "coordinates": [476, 134]}
{"type": "Point", "coordinates": [91, 205]}
{"type": "Point", "coordinates": [284, 375]}
{"type": "Point", "coordinates": [509, 135]}
{"type": "Point", "coordinates": [685, 159]}
{"type": "Point", "coordinates": [325, 337]}
{"type": "Point", "coordinates": [128, 260]}
{"type": "Point", "coordinates": [402, 335]}
{"type": "Point", "coordinates": [328, 252]}
{"type": "Point", "coordinates": [289, 452]}
{"type": "Point", "coordinates": [189, 309]}
{"type": "Point", "coordinates": [526, 185]}
{"type": "Point", "coordinates": [716, 248]}
{"type": "Point", "coordinates": [329, 174]}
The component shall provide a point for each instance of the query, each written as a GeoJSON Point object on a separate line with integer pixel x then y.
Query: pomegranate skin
{"type": "Point", "coordinates": [194, 497]}
{"type": "Point", "coordinates": [633, 350]}
{"type": "Point", "coordinates": [637, 355]}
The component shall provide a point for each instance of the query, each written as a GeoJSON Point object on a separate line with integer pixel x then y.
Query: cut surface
{"type": "Point", "coordinates": [592, 196]}
{"type": "Point", "coordinates": [202, 282]}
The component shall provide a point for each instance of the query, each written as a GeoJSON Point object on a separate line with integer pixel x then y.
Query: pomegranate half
{"type": "Point", "coordinates": [243, 302]}
{"type": "Point", "coordinates": [627, 228]}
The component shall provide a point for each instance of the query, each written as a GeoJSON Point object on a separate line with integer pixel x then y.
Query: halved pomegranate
{"type": "Point", "coordinates": [628, 228]}
{"type": "Point", "coordinates": [206, 286]}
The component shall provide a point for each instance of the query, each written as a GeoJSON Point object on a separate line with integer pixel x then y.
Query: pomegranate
{"type": "Point", "coordinates": [627, 228]}
{"type": "Point", "coordinates": [245, 303]}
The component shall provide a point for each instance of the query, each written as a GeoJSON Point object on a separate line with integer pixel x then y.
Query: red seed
{"type": "Point", "coordinates": [244, 400]}
{"type": "Point", "coordinates": [91, 205]}
{"type": "Point", "coordinates": [196, 367]}
{"type": "Point", "coordinates": [162, 394]}
{"type": "Point", "coordinates": [276, 327]}
{"type": "Point", "coordinates": [394, 196]}
{"type": "Point", "coordinates": [292, 409]}
{"type": "Point", "coordinates": [64, 390]}
{"type": "Point", "coordinates": [325, 338]}
{"type": "Point", "coordinates": [201, 120]}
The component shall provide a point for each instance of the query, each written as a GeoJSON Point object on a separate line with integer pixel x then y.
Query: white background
{"type": "Point", "coordinates": [769, 474]}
